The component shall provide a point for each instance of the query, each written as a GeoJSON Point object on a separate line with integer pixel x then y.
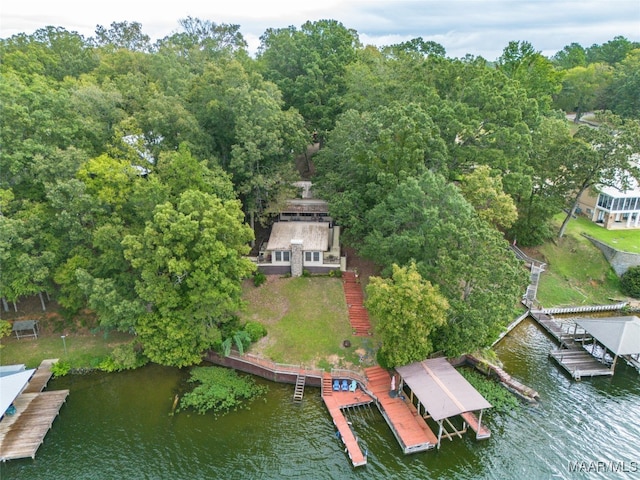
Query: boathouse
{"type": "Point", "coordinates": [618, 335]}
{"type": "Point", "coordinates": [441, 393]}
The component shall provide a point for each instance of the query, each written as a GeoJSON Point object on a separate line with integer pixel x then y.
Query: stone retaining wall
{"type": "Point", "coordinates": [619, 260]}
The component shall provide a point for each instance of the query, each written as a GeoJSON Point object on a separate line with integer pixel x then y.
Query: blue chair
{"type": "Point", "coordinates": [336, 385]}
{"type": "Point", "coordinates": [353, 386]}
{"type": "Point", "coordinates": [345, 386]}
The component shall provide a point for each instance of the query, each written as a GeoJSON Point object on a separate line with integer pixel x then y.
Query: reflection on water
{"type": "Point", "coordinates": [118, 426]}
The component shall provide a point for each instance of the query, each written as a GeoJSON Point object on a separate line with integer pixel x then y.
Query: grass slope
{"type": "Point", "coordinates": [577, 272]}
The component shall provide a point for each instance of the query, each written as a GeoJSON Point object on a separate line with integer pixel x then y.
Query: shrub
{"type": "Point", "coordinates": [220, 390]}
{"type": "Point", "coordinates": [335, 273]}
{"type": "Point", "coordinates": [60, 368]}
{"type": "Point", "coordinates": [124, 357]}
{"type": "Point", "coordinates": [255, 330]}
{"type": "Point", "coordinates": [259, 278]}
{"type": "Point", "coordinates": [630, 282]}
{"type": "Point", "coordinates": [306, 273]}
{"type": "Point", "coordinates": [5, 329]}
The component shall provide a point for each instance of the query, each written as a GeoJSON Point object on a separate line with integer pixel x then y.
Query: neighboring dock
{"type": "Point", "coordinates": [571, 355]}
{"type": "Point", "coordinates": [23, 432]}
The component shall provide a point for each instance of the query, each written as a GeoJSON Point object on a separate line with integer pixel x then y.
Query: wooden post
{"type": "Point", "coordinates": [439, 433]}
{"type": "Point", "coordinates": [479, 423]}
{"type": "Point", "coordinates": [613, 365]}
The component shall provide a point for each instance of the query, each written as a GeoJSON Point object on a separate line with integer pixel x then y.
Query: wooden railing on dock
{"type": "Point", "coordinates": [585, 309]}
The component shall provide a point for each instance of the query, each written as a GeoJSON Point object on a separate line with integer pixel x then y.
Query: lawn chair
{"type": "Point", "coordinates": [353, 386]}
{"type": "Point", "coordinates": [345, 386]}
{"type": "Point", "coordinates": [336, 385]}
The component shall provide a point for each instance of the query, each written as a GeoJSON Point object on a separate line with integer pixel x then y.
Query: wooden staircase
{"type": "Point", "coordinates": [358, 315]}
{"type": "Point", "coordinates": [327, 385]}
{"type": "Point", "coordinates": [298, 393]}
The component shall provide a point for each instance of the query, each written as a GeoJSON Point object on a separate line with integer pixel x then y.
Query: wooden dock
{"type": "Point", "coordinates": [470, 419]}
{"type": "Point", "coordinates": [358, 315]}
{"type": "Point", "coordinates": [410, 429]}
{"type": "Point", "coordinates": [579, 363]}
{"type": "Point", "coordinates": [571, 356]}
{"type": "Point", "coordinates": [335, 402]}
{"type": "Point", "coordinates": [41, 377]}
{"type": "Point", "coordinates": [23, 432]}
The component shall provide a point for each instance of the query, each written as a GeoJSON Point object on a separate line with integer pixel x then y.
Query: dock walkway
{"type": "Point", "coordinates": [335, 402]}
{"type": "Point", "coordinates": [23, 432]}
{"type": "Point", "coordinates": [410, 429]}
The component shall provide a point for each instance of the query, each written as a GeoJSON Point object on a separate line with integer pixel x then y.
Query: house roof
{"type": "Point", "coordinates": [10, 387]}
{"type": "Point", "coordinates": [441, 389]}
{"type": "Point", "coordinates": [621, 335]}
{"type": "Point", "coordinates": [306, 205]}
{"type": "Point", "coordinates": [314, 235]}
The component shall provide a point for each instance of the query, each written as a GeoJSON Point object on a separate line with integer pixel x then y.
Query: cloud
{"type": "Point", "coordinates": [478, 27]}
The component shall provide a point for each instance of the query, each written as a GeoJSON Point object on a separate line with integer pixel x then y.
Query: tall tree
{"type": "Point", "coordinates": [535, 72]}
{"type": "Point", "coordinates": [191, 262]}
{"type": "Point", "coordinates": [407, 309]}
{"type": "Point", "coordinates": [309, 65]}
{"type": "Point", "coordinates": [485, 193]}
{"type": "Point", "coordinates": [583, 89]}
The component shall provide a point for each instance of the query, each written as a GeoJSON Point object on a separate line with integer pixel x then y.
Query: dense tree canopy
{"type": "Point", "coordinates": [129, 170]}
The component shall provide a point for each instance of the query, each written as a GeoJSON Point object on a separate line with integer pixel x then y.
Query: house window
{"type": "Point", "coordinates": [282, 256]}
{"type": "Point", "coordinates": [311, 257]}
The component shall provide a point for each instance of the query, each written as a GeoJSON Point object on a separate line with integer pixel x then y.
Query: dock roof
{"type": "Point", "coordinates": [314, 235]}
{"type": "Point", "coordinates": [11, 385]}
{"type": "Point", "coordinates": [441, 389]}
{"type": "Point", "coordinates": [621, 335]}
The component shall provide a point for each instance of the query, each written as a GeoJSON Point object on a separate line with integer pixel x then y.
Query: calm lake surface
{"type": "Point", "coordinates": [118, 426]}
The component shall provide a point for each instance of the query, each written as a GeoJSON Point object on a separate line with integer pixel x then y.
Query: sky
{"type": "Point", "coordinates": [476, 27]}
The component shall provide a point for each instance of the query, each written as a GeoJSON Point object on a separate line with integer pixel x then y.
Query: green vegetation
{"type": "Point", "coordinates": [630, 282]}
{"type": "Point", "coordinates": [577, 273]}
{"type": "Point", "coordinates": [306, 321]}
{"type": "Point", "coordinates": [82, 351]}
{"type": "Point", "coordinates": [625, 240]}
{"type": "Point", "coordinates": [219, 390]}
{"type": "Point", "coordinates": [133, 174]}
{"type": "Point", "coordinates": [502, 400]}
{"type": "Point", "coordinates": [407, 308]}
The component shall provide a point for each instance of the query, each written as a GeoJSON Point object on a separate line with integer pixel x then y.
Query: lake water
{"type": "Point", "coordinates": [118, 426]}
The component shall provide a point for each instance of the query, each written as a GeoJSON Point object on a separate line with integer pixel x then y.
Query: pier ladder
{"type": "Point", "coordinates": [299, 390]}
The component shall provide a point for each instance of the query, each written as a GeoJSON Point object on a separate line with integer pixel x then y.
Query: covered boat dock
{"type": "Point", "coordinates": [442, 393]}
{"type": "Point", "coordinates": [618, 335]}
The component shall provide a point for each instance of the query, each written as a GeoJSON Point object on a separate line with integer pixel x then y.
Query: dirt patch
{"type": "Point", "coordinates": [365, 268]}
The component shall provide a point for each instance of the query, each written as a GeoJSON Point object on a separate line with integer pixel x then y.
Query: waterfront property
{"type": "Point", "coordinates": [611, 207]}
{"type": "Point", "coordinates": [443, 393]}
{"type": "Point", "coordinates": [28, 412]}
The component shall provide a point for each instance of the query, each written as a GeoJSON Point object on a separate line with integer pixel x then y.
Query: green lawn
{"type": "Point", "coordinates": [82, 350]}
{"type": "Point", "coordinates": [307, 322]}
{"type": "Point", "coordinates": [626, 240]}
{"type": "Point", "coordinates": [577, 272]}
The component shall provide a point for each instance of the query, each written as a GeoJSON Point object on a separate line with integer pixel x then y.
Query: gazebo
{"type": "Point", "coordinates": [619, 335]}
{"type": "Point", "coordinates": [444, 393]}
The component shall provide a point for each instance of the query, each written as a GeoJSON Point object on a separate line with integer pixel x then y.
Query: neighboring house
{"type": "Point", "coordinates": [304, 238]}
{"type": "Point", "coordinates": [611, 207]}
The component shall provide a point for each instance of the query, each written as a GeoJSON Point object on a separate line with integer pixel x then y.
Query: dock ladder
{"type": "Point", "coordinates": [299, 390]}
